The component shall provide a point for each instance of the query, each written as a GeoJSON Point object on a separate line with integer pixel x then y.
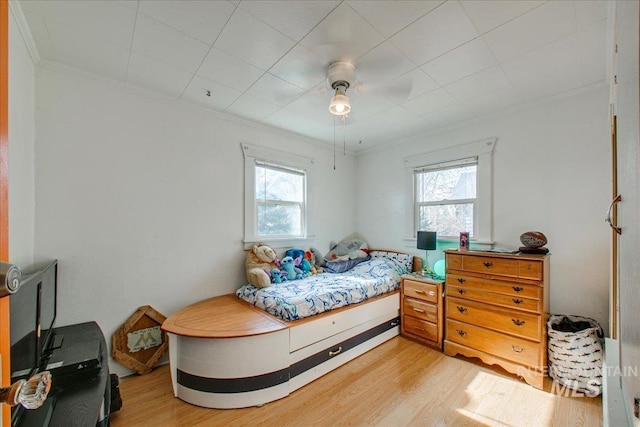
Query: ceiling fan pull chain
{"type": "Point", "coordinates": [334, 142]}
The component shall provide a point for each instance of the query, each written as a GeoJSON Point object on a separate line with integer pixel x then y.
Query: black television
{"type": "Point", "coordinates": [33, 310]}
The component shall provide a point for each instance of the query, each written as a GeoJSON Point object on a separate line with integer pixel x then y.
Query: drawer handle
{"type": "Point", "coordinates": [431, 293]}
{"type": "Point", "coordinates": [395, 323]}
{"type": "Point", "coordinates": [460, 291]}
{"type": "Point", "coordinates": [518, 322]}
{"type": "Point", "coordinates": [461, 309]}
{"type": "Point", "coordinates": [335, 353]}
{"type": "Point", "coordinates": [461, 280]}
{"type": "Point", "coordinates": [517, 288]}
{"type": "Point", "coordinates": [419, 310]}
{"type": "Point", "coordinates": [517, 301]}
{"type": "Point", "coordinates": [517, 348]}
{"type": "Point", "coordinates": [461, 332]}
{"type": "Point", "coordinates": [488, 264]}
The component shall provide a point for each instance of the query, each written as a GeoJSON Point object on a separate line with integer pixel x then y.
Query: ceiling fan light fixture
{"type": "Point", "coordinates": [339, 104]}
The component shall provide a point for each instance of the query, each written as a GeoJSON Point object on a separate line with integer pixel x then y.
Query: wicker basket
{"type": "Point", "coordinates": [575, 357]}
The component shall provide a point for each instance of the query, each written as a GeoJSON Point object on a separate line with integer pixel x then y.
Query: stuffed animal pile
{"type": "Point", "coordinates": [264, 268]}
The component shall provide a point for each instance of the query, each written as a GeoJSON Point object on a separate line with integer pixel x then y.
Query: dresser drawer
{"type": "Point", "coordinates": [420, 327]}
{"type": "Point", "coordinates": [420, 309]}
{"type": "Point", "coordinates": [507, 347]}
{"type": "Point", "coordinates": [528, 269]}
{"type": "Point", "coordinates": [487, 285]}
{"type": "Point", "coordinates": [514, 322]}
{"type": "Point", "coordinates": [421, 290]}
{"type": "Point", "coordinates": [481, 295]}
{"type": "Point", "coordinates": [487, 265]}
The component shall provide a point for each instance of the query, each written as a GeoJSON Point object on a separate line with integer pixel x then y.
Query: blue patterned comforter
{"type": "Point", "coordinates": [323, 292]}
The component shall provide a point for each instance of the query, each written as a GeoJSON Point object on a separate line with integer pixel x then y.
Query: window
{"type": "Point", "coordinates": [279, 200]}
{"type": "Point", "coordinates": [445, 197]}
{"type": "Point", "coordinates": [450, 190]}
{"type": "Point", "coordinates": [277, 197]}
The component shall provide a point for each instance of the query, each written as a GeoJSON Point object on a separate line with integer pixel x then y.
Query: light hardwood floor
{"type": "Point", "coordinates": [400, 383]}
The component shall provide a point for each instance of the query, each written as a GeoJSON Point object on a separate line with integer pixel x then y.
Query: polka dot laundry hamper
{"type": "Point", "coordinates": [575, 353]}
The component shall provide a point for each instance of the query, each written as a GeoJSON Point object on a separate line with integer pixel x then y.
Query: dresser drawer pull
{"type": "Point", "coordinates": [517, 301]}
{"type": "Point", "coordinates": [460, 291]}
{"type": "Point", "coordinates": [336, 352]}
{"type": "Point", "coordinates": [488, 264]}
{"type": "Point", "coordinates": [461, 280]}
{"type": "Point", "coordinates": [517, 288]}
{"type": "Point", "coordinates": [461, 309]}
{"type": "Point", "coordinates": [419, 310]}
{"type": "Point", "coordinates": [395, 323]}
{"type": "Point", "coordinates": [517, 348]}
{"type": "Point", "coordinates": [461, 332]}
{"type": "Point", "coordinates": [518, 322]}
{"type": "Point", "coordinates": [431, 293]}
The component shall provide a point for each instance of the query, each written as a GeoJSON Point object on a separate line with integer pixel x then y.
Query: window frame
{"type": "Point", "coordinates": [445, 166]}
{"type": "Point", "coordinates": [483, 209]}
{"type": "Point", "coordinates": [261, 156]}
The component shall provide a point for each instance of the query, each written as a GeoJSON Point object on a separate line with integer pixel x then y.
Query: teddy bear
{"type": "Point", "coordinates": [261, 259]}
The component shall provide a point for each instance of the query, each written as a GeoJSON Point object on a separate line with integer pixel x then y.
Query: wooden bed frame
{"type": "Point", "coordinates": [226, 353]}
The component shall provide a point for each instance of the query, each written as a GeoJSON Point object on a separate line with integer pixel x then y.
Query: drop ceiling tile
{"type": "Point", "coordinates": [274, 90]}
{"type": "Point", "coordinates": [202, 20]}
{"type": "Point", "coordinates": [155, 39]}
{"type": "Point", "coordinates": [476, 84]}
{"type": "Point", "coordinates": [496, 100]}
{"type": "Point", "coordinates": [389, 17]}
{"type": "Point", "coordinates": [301, 68]}
{"type": "Point", "coordinates": [228, 70]}
{"type": "Point", "coordinates": [40, 35]}
{"type": "Point", "coordinates": [253, 41]}
{"type": "Point", "coordinates": [460, 62]}
{"type": "Point", "coordinates": [551, 21]}
{"type": "Point", "coordinates": [547, 71]}
{"type": "Point", "coordinates": [417, 81]}
{"type": "Point", "coordinates": [487, 15]}
{"type": "Point", "coordinates": [292, 18]}
{"type": "Point", "coordinates": [590, 12]}
{"type": "Point", "coordinates": [220, 97]}
{"type": "Point", "coordinates": [451, 115]}
{"type": "Point", "coordinates": [152, 74]}
{"type": "Point", "coordinates": [411, 126]}
{"type": "Point", "coordinates": [100, 20]}
{"type": "Point", "coordinates": [252, 108]}
{"type": "Point", "coordinates": [382, 63]}
{"type": "Point", "coordinates": [96, 56]}
{"type": "Point", "coordinates": [371, 103]}
{"type": "Point", "coordinates": [287, 119]}
{"type": "Point", "coordinates": [342, 35]}
{"type": "Point", "coordinates": [593, 53]}
{"type": "Point", "coordinates": [440, 31]}
{"type": "Point", "coordinates": [312, 105]}
{"type": "Point", "coordinates": [429, 102]}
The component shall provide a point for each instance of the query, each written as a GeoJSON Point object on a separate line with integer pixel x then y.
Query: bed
{"type": "Point", "coordinates": [259, 345]}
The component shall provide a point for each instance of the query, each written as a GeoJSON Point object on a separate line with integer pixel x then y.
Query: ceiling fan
{"type": "Point", "coordinates": [341, 76]}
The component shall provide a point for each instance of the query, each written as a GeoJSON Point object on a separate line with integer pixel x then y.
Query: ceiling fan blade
{"type": "Point", "coordinates": [397, 90]}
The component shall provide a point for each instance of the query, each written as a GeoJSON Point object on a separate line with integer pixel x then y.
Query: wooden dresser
{"type": "Point", "coordinates": [496, 309]}
{"type": "Point", "coordinates": [421, 309]}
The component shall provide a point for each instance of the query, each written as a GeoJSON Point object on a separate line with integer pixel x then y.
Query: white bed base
{"type": "Point", "coordinates": [252, 370]}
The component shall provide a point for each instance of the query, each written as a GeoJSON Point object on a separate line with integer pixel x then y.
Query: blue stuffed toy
{"type": "Point", "coordinates": [278, 276]}
{"type": "Point", "coordinates": [288, 265]}
{"type": "Point", "coordinates": [299, 260]}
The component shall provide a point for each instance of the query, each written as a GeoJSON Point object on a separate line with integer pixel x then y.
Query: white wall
{"type": "Point", "coordinates": [551, 174]}
{"type": "Point", "coordinates": [141, 197]}
{"type": "Point", "coordinates": [21, 149]}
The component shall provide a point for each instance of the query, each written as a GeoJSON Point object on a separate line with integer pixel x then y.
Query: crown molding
{"type": "Point", "coordinates": [23, 26]}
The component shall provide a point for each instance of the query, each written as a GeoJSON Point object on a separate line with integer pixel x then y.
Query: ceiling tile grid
{"type": "Point", "coordinates": [420, 66]}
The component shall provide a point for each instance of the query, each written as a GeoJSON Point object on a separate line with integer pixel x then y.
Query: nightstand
{"type": "Point", "coordinates": [421, 309]}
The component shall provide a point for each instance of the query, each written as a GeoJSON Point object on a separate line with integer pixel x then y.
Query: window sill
{"type": "Point", "coordinates": [281, 242]}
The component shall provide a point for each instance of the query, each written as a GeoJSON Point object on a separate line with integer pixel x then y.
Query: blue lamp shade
{"type": "Point", "coordinates": [426, 240]}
